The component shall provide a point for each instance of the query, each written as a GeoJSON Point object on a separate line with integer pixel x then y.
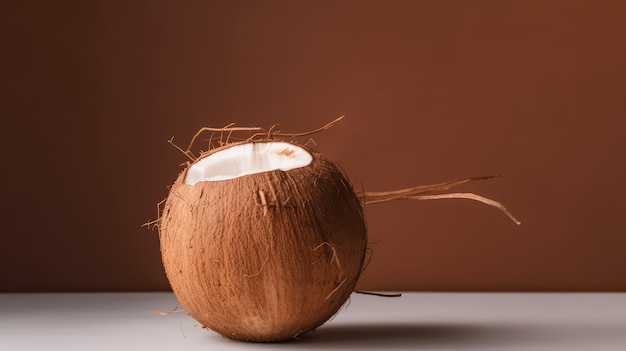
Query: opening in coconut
{"type": "Point", "coordinates": [245, 159]}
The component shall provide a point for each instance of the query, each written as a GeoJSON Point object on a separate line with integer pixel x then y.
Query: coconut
{"type": "Point", "coordinates": [262, 240]}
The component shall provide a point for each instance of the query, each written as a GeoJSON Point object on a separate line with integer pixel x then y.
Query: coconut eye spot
{"type": "Point", "coordinates": [245, 159]}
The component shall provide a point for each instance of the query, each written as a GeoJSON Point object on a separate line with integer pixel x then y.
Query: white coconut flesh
{"type": "Point", "coordinates": [246, 159]}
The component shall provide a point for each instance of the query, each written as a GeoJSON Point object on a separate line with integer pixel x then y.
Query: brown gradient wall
{"type": "Point", "coordinates": [432, 90]}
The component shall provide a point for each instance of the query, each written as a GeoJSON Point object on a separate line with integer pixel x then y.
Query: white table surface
{"type": "Point", "coordinates": [415, 321]}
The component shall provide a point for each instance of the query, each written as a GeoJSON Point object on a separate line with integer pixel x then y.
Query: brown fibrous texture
{"type": "Point", "coordinates": [264, 257]}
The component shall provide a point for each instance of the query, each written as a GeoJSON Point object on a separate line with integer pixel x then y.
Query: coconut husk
{"type": "Point", "coordinates": [267, 256]}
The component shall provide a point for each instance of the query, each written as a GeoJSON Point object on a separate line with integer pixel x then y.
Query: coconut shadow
{"type": "Point", "coordinates": [377, 336]}
{"type": "Point", "coordinates": [453, 336]}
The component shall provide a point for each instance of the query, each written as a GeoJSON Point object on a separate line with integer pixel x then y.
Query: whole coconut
{"type": "Point", "coordinates": [262, 241]}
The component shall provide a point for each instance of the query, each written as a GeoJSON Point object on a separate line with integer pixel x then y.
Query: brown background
{"type": "Point", "coordinates": [432, 90]}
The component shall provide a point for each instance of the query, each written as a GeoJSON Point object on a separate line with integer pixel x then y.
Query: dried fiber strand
{"type": "Point", "coordinates": [378, 196]}
{"type": "Point", "coordinates": [378, 294]}
{"type": "Point", "coordinates": [260, 135]}
{"type": "Point", "coordinates": [172, 311]}
{"type": "Point", "coordinates": [418, 193]}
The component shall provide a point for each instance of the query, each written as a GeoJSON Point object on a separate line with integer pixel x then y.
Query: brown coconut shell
{"type": "Point", "coordinates": [264, 257]}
